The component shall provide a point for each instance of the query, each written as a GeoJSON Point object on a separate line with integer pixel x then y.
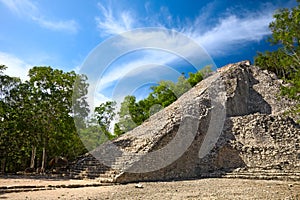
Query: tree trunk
{"type": "Point", "coordinates": [3, 165]}
{"type": "Point", "coordinates": [33, 154]}
{"type": "Point", "coordinates": [44, 158]}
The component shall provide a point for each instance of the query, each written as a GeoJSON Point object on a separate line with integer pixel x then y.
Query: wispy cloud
{"type": "Point", "coordinates": [111, 23]}
{"type": "Point", "coordinates": [232, 31]}
{"type": "Point", "coordinates": [26, 8]}
{"type": "Point", "coordinates": [70, 26]}
{"type": "Point", "coordinates": [15, 66]}
{"type": "Point", "coordinates": [219, 37]}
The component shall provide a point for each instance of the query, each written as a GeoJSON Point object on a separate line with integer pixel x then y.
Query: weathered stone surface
{"type": "Point", "coordinates": [230, 124]}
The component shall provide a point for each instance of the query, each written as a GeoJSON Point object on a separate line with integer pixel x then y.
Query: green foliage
{"type": "Point", "coordinates": [92, 136]}
{"type": "Point", "coordinates": [38, 114]}
{"type": "Point", "coordinates": [286, 33]}
{"type": "Point", "coordinates": [195, 78]}
{"type": "Point", "coordinates": [8, 123]}
{"type": "Point", "coordinates": [51, 95]}
{"type": "Point", "coordinates": [277, 62]}
{"type": "Point", "coordinates": [129, 115]}
{"type": "Point", "coordinates": [79, 99]}
{"type": "Point", "coordinates": [117, 130]}
{"type": "Point", "coordinates": [105, 114]}
{"type": "Point", "coordinates": [293, 91]}
{"type": "Point", "coordinates": [285, 61]}
{"type": "Point", "coordinates": [285, 29]}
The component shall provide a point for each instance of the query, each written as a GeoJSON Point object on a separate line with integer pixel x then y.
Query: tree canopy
{"type": "Point", "coordinates": [37, 121]}
{"type": "Point", "coordinates": [285, 61]}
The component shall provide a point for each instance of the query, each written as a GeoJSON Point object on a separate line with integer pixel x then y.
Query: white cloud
{"type": "Point", "coordinates": [221, 37]}
{"type": "Point", "coordinates": [22, 8]}
{"type": "Point", "coordinates": [26, 8]}
{"type": "Point", "coordinates": [111, 23]}
{"type": "Point", "coordinates": [70, 26]}
{"type": "Point", "coordinates": [15, 66]}
{"type": "Point", "coordinates": [147, 6]}
{"type": "Point", "coordinates": [233, 31]}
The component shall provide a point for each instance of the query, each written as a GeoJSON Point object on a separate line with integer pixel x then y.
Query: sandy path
{"type": "Point", "coordinates": [192, 189]}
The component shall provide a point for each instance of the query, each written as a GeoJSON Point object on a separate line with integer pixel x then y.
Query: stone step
{"type": "Point", "coordinates": [94, 174]}
{"type": "Point", "coordinates": [263, 175]}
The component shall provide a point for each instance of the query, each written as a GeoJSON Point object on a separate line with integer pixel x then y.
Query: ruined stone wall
{"type": "Point", "coordinates": [264, 141]}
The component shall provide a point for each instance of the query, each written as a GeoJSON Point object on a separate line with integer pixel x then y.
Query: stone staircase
{"type": "Point", "coordinates": [88, 167]}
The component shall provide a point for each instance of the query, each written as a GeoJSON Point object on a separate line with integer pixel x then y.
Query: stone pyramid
{"type": "Point", "coordinates": [231, 124]}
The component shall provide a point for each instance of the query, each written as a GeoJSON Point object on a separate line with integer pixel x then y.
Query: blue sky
{"type": "Point", "coordinates": [62, 33]}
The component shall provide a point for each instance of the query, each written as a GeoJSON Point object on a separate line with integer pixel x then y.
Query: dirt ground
{"type": "Point", "coordinates": [190, 189]}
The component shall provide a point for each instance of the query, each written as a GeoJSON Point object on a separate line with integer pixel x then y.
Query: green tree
{"type": "Point", "coordinates": [163, 94]}
{"type": "Point", "coordinates": [80, 107]}
{"type": "Point", "coordinates": [51, 99]}
{"type": "Point", "coordinates": [92, 136]}
{"type": "Point", "coordinates": [117, 130]}
{"type": "Point", "coordinates": [127, 115]}
{"type": "Point", "coordinates": [9, 140]}
{"type": "Point", "coordinates": [286, 34]}
{"type": "Point", "coordinates": [285, 61]}
{"type": "Point", "coordinates": [195, 78]}
{"type": "Point", "coordinates": [26, 124]}
{"type": "Point", "coordinates": [105, 114]}
{"type": "Point", "coordinates": [37, 117]}
{"type": "Point", "coordinates": [182, 86]}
